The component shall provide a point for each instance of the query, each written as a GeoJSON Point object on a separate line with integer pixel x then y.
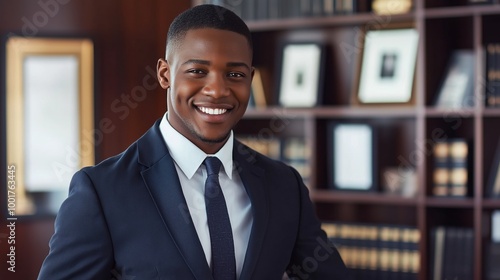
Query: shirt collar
{"type": "Point", "coordinates": [179, 146]}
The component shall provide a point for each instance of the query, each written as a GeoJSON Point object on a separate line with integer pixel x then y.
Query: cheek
{"type": "Point", "coordinates": [181, 93]}
{"type": "Point", "coordinates": [243, 95]}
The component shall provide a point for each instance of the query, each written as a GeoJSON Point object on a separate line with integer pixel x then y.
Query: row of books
{"type": "Point", "coordinates": [493, 75]}
{"type": "Point", "coordinates": [452, 253]}
{"type": "Point", "coordinates": [492, 250]}
{"type": "Point", "coordinates": [451, 168]}
{"type": "Point", "coordinates": [375, 252]}
{"type": "Point", "coordinates": [451, 174]}
{"type": "Point", "coordinates": [492, 261]}
{"type": "Point", "coordinates": [273, 9]}
{"type": "Point", "coordinates": [290, 150]}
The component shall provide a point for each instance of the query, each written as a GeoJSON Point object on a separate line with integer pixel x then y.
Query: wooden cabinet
{"type": "Point", "coordinates": [404, 133]}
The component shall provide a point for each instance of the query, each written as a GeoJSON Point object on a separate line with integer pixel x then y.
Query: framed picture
{"type": "Point", "coordinates": [388, 66]}
{"type": "Point", "coordinates": [301, 75]}
{"type": "Point", "coordinates": [50, 119]}
{"type": "Point", "coordinates": [457, 86]}
{"type": "Point", "coordinates": [352, 157]}
{"type": "Point", "coordinates": [493, 182]}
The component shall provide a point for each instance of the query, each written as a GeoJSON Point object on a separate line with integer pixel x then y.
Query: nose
{"type": "Point", "coordinates": [216, 86]}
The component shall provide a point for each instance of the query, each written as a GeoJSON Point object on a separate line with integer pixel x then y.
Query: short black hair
{"type": "Point", "coordinates": [206, 16]}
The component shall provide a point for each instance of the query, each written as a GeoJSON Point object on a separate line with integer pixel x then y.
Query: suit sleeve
{"type": "Point", "coordinates": [314, 257]}
{"type": "Point", "coordinates": [80, 247]}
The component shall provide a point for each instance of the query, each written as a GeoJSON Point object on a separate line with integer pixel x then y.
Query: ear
{"type": "Point", "coordinates": [163, 73]}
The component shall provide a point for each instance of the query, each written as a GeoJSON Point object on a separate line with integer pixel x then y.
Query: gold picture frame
{"type": "Point", "coordinates": [67, 69]}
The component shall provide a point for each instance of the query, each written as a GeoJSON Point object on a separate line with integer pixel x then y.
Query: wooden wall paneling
{"type": "Point", "coordinates": [129, 37]}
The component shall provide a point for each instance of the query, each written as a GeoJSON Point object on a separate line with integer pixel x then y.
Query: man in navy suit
{"type": "Point", "coordinates": [142, 214]}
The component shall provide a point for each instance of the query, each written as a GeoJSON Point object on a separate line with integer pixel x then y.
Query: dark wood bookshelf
{"type": "Point", "coordinates": [452, 202]}
{"type": "Point", "coordinates": [461, 11]}
{"type": "Point", "coordinates": [451, 112]}
{"type": "Point", "coordinates": [333, 111]}
{"type": "Point", "coordinates": [322, 21]}
{"type": "Point", "coordinates": [361, 197]}
{"type": "Point", "coordinates": [403, 131]}
{"type": "Point", "coordinates": [491, 112]}
{"type": "Point", "coordinates": [491, 203]}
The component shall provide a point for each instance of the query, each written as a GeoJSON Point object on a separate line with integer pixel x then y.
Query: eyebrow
{"type": "Point", "coordinates": [206, 62]}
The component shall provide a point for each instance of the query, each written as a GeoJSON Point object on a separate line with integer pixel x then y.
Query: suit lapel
{"type": "Point", "coordinates": [163, 184]}
{"type": "Point", "coordinates": [252, 178]}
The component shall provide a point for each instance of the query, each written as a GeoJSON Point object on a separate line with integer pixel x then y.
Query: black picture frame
{"type": "Point", "coordinates": [300, 74]}
{"type": "Point", "coordinates": [352, 157]}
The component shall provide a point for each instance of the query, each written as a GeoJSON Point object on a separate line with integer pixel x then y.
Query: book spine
{"type": "Point", "coordinates": [469, 253]}
{"type": "Point", "coordinates": [385, 253]}
{"type": "Point", "coordinates": [248, 10]}
{"type": "Point", "coordinates": [372, 252]}
{"type": "Point", "coordinates": [490, 75]}
{"type": "Point", "coordinates": [441, 172]}
{"type": "Point", "coordinates": [261, 10]}
{"type": "Point", "coordinates": [364, 6]}
{"type": "Point", "coordinates": [438, 242]}
{"type": "Point", "coordinates": [273, 9]}
{"type": "Point", "coordinates": [268, 147]}
{"type": "Point", "coordinates": [328, 7]}
{"type": "Point", "coordinates": [492, 260]}
{"type": "Point", "coordinates": [292, 8]}
{"type": "Point", "coordinates": [305, 8]}
{"type": "Point", "coordinates": [414, 241]}
{"type": "Point", "coordinates": [317, 8]}
{"type": "Point", "coordinates": [296, 154]}
{"type": "Point", "coordinates": [451, 253]}
{"type": "Point", "coordinates": [345, 6]}
{"type": "Point", "coordinates": [496, 86]}
{"type": "Point", "coordinates": [459, 154]}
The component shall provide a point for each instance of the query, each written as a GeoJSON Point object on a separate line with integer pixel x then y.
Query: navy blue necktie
{"type": "Point", "coordinates": [221, 235]}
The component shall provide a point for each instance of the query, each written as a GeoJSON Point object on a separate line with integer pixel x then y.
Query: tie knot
{"type": "Point", "coordinates": [213, 165]}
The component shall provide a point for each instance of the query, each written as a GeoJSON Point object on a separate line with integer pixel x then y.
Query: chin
{"type": "Point", "coordinates": [214, 139]}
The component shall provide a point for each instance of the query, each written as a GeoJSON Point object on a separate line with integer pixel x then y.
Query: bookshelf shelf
{"type": "Point", "coordinates": [405, 135]}
{"type": "Point", "coordinates": [375, 112]}
{"type": "Point", "coordinates": [321, 22]}
{"type": "Point", "coordinates": [333, 112]}
{"type": "Point", "coordinates": [491, 112]}
{"type": "Point", "coordinates": [359, 197]}
{"type": "Point", "coordinates": [491, 203]}
{"type": "Point", "coordinates": [449, 112]}
{"type": "Point", "coordinates": [462, 11]}
{"type": "Point", "coordinates": [449, 202]}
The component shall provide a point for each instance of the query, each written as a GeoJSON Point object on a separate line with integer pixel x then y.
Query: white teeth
{"type": "Point", "coordinates": [212, 111]}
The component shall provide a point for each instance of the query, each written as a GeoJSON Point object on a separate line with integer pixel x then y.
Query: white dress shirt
{"type": "Point", "coordinates": [188, 160]}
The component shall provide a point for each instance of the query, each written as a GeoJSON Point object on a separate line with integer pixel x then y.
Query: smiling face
{"type": "Point", "coordinates": [208, 74]}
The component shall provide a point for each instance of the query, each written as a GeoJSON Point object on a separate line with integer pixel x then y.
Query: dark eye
{"type": "Point", "coordinates": [196, 71]}
{"type": "Point", "coordinates": [236, 75]}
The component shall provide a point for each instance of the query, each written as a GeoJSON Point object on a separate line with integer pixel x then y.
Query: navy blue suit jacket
{"type": "Point", "coordinates": [126, 218]}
